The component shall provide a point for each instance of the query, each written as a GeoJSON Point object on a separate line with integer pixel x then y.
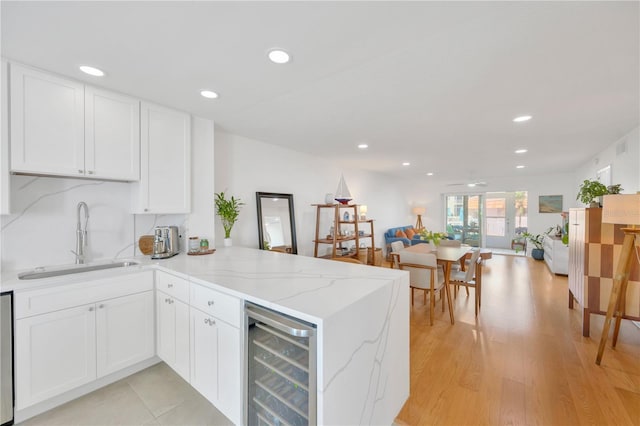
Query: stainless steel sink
{"type": "Point", "coordinates": [47, 273]}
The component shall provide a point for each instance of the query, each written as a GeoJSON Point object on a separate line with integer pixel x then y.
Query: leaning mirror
{"type": "Point", "coordinates": [276, 222]}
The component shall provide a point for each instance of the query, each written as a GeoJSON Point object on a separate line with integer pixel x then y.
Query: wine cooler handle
{"type": "Point", "coordinates": [281, 323]}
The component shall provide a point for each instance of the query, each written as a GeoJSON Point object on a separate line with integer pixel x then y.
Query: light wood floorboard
{"type": "Point", "coordinates": [522, 361]}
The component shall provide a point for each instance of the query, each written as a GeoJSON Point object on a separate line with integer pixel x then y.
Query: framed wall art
{"type": "Point", "coordinates": [550, 204]}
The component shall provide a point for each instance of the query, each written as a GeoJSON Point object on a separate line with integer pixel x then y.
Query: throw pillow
{"type": "Point", "coordinates": [400, 234]}
{"type": "Point", "coordinates": [410, 233]}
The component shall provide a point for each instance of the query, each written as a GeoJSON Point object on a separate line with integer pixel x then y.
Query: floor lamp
{"type": "Point", "coordinates": [625, 210]}
{"type": "Point", "coordinates": [419, 211]}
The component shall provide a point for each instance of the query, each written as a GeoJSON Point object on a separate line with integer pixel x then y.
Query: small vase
{"type": "Point", "coordinates": [328, 199]}
{"type": "Point", "coordinates": [228, 242]}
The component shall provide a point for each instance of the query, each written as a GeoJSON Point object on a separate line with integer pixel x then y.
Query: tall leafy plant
{"type": "Point", "coordinates": [228, 210]}
{"type": "Point", "coordinates": [590, 190]}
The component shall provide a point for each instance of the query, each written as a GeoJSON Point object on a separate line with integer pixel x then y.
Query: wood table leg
{"type": "Point", "coordinates": [447, 273]}
{"type": "Point", "coordinates": [620, 310]}
{"type": "Point", "coordinates": [622, 275]}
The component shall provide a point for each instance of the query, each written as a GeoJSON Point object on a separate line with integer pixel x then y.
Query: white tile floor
{"type": "Point", "coordinates": [155, 396]}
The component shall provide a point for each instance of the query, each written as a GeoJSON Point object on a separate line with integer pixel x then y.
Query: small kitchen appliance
{"type": "Point", "coordinates": [165, 242]}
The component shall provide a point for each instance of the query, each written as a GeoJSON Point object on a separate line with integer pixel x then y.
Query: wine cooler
{"type": "Point", "coordinates": [280, 369]}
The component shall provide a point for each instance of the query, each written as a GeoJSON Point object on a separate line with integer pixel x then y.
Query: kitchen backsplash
{"type": "Point", "coordinates": [42, 227]}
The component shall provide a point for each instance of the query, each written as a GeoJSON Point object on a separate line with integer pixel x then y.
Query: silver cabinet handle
{"type": "Point", "coordinates": [101, 306]}
{"type": "Point", "coordinates": [286, 325]}
{"type": "Point", "coordinates": [80, 171]}
{"type": "Point", "coordinates": [166, 300]}
{"type": "Point", "coordinates": [210, 303]}
{"type": "Point", "coordinates": [146, 210]}
{"type": "Point", "coordinates": [90, 172]}
{"type": "Point", "coordinates": [170, 285]}
{"type": "Point", "coordinates": [209, 321]}
{"type": "Point", "coordinates": [91, 309]}
{"type": "Point", "coordinates": [171, 301]}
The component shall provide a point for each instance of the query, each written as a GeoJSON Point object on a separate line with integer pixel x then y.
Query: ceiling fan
{"type": "Point", "coordinates": [469, 184]}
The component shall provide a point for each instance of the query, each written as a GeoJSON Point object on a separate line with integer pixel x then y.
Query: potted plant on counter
{"type": "Point", "coordinates": [228, 210]}
{"type": "Point", "coordinates": [590, 191]}
{"type": "Point", "coordinates": [537, 240]}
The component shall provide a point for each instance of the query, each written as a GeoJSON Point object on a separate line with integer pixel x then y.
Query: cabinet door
{"type": "Point", "coordinates": [125, 332]}
{"type": "Point", "coordinates": [165, 328]}
{"type": "Point", "coordinates": [4, 141]}
{"type": "Point", "coordinates": [55, 352]}
{"type": "Point", "coordinates": [165, 165]}
{"type": "Point", "coordinates": [173, 333]}
{"type": "Point", "coordinates": [47, 123]}
{"type": "Point", "coordinates": [112, 135]}
{"type": "Point", "coordinates": [229, 372]}
{"type": "Point", "coordinates": [204, 355]}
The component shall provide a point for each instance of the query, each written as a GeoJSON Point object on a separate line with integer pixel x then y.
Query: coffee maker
{"type": "Point", "coordinates": [165, 242]}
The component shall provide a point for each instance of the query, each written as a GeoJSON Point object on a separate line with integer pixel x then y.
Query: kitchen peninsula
{"type": "Point", "coordinates": [361, 314]}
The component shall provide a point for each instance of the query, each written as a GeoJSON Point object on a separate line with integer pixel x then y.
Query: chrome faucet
{"type": "Point", "coordinates": [81, 234]}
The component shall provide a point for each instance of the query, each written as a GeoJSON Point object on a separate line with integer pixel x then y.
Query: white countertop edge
{"type": "Point", "coordinates": [10, 281]}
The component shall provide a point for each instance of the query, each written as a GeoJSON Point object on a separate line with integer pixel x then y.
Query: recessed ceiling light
{"type": "Point", "coordinates": [91, 71]}
{"type": "Point", "coordinates": [209, 94]}
{"type": "Point", "coordinates": [520, 167]}
{"type": "Point", "coordinates": [363, 146]}
{"type": "Point", "coordinates": [430, 174]}
{"type": "Point", "coordinates": [522, 118]}
{"type": "Point", "coordinates": [471, 185]}
{"type": "Point", "coordinates": [278, 56]}
{"type": "Point", "coordinates": [520, 151]}
{"type": "Point", "coordinates": [406, 163]}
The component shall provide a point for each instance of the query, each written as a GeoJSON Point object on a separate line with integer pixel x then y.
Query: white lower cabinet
{"type": "Point", "coordinates": [172, 324]}
{"type": "Point", "coordinates": [216, 358]}
{"type": "Point", "coordinates": [55, 352]}
{"type": "Point", "coordinates": [72, 334]}
{"type": "Point", "coordinates": [124, 330]}
{"type": "Point", "coordinates": [229, 373]}
{"type": "Point", "coordinates": [204, 354]}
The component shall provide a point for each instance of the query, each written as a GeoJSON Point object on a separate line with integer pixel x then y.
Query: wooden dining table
{"type": "Point", "coordinates": [446, 256]}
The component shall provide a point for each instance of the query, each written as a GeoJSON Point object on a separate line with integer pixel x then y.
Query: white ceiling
{"type": "Point", "coordinates": [433, 83]}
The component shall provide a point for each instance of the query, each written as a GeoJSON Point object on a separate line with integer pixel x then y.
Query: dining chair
{"type": "Point", "coordinates": [396, 248]}
{"type": "Point", "coordinates": [472, 277]}
{"type": "Point", "coordinates": [425, 274]}
{"type": "Point", "coordinates": [451, 243]}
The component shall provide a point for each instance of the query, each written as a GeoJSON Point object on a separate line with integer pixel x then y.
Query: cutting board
{"type": "Point", "coordinates": [145, 243]}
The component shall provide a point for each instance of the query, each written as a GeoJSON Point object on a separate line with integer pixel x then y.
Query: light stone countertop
{"type": "Point", "coordinates": [307, 288]}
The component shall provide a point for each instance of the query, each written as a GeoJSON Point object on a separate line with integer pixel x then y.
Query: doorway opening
{"type": "Point", "coordinates": [506, 220]}
{"type": "Point", "coordinates": [464, 217]}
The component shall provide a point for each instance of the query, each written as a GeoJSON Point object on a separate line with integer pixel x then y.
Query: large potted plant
{"type": "Point", "coordinates": [537, 240]}
{"type": "Point", "coordinates": [590, 190]}
{"type": "Point", "coordinates": [228, 210]}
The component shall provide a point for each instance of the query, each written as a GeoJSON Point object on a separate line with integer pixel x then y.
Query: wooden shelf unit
{"type": "Point", "coordinates": [337, 239]}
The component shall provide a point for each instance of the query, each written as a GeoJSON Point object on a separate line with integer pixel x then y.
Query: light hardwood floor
{"type": "Point", "coordinates": [523, 361]}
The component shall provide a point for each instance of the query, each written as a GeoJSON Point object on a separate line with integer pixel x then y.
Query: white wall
{"type": "Point", "coordinates": [625, 166]}
{"type": "Point", "coordinates": [246, 166]}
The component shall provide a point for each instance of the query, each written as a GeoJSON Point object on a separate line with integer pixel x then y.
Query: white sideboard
{"type": "Point", "coordinates": [556, 254]}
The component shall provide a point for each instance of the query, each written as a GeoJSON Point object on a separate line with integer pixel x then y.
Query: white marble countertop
{"type": "Point", "coordinates": [307, 288]}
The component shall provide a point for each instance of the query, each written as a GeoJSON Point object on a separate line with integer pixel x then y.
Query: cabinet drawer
{"type": "Point", "coordinates": [220, 305]}
{"type": "Point", "coordinates": [173, 286]}
{"type": "Point", "coordinates": [65, 296]}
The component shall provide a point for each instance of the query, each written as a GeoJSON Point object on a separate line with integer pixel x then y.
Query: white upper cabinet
{"type": "Point", "coordinates": [59, 127]}
{"type": "Point", "coordinates": [47, 123]}
{"type": "Point", "coordinates": [165, 161]}
{"type": "Point", "coordinates": [112, 135]}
